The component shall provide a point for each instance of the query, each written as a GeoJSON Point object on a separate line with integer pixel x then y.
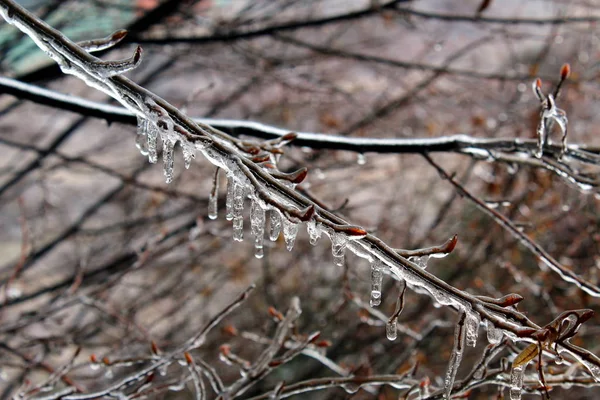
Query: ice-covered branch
{"type": "Point", "coordinates": [512, 151]}
{"type": "Point", "coordinates": [251, 170]}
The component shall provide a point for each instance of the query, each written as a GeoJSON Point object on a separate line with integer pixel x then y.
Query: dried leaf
{"type": "Point", "coordinates": [528, 354]}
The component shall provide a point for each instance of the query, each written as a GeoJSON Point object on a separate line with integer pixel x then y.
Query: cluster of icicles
{"type": "Point", "coordinates": [158, 124]}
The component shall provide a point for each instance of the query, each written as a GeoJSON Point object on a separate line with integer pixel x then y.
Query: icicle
{"type": "Point", "coordinates": [189, 153]}
{"type": "Point", "coordinates": [391, 329]}
{"type": "Point", "coordinates": [141, 142]}
{"type": "Point", "coordinates": [376, 282]}
{"type": "Point", "coordinates": [257, 224]}
{"type": "Point", "coordinates": [290, 230]}
{"type": "Point", "coordinates": [229, 199]}
{"type": "Point", "coordinates": [516, 382]}
{"type": "Point", "coordinates": [494, 334]}
{"type": "Point", "coordinates": [338, 247]}
{"type": "Point", "coordinates": [314, 232]}
{"type": "Point", "coordinates": [238, 212]}
{"type": "Point", "coordinates": [275, 225]}
{"type": "Point", "coordinates": [168, 160]}
{"type": "Point", "coordinates": [152, 136]}
{"type": "Point", "coordinates": [213, 197]}
{"type": "Point", "coordinates": [472, 327]}
{"type": "Point", "coordinates": [455, 356]}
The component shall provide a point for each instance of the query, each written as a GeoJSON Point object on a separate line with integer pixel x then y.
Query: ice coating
{"type": "Point", "coordinates": [455, 356]}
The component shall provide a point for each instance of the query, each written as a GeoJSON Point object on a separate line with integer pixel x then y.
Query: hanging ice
{"type": "Point", "coordinates": [168, 160]}
{"type": "Point", "coordinates": [455, 356]}
{"type": "Point", "coordinates": [213, 199]}
{"type": "Point", "coordinates": [275, 225]}
{"type": "Point", "coordinates": [229, 199]}
{"type": "Point", "coordinates": [472, 328]}
{"type": "Point", "coordinates": [238, 212]}
{"type": "Point", "coordinates": [290, 230]}
{"type": "Point", "coordinates": [421, 261]}
{"type": "Point", "coordinates": [257, 225]}
{"type": "Point", "coordinates": [141, 142]}
{"type": "Point", "coordinates": [391, 329]}
{"type": "Point", "coordinates": [516, 382]}
{"type": "Point", "coordinates": [550, 115]}
{"type": "Point", "coordinates": [376, 282]}
{"type": "Point", "coordinates": [314, 232]}
{"type": "Point", "coordinates": [152, 136]}
{"type": "Point", "coordinates": [189, 153]}
{"type": "Point", "coordinates": [338, 247]}
{"type": "Point", "coordinates": [494, 334]}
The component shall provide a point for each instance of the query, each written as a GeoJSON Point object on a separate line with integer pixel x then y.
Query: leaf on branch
{"type": "Point", "coordinates": [525, 356]}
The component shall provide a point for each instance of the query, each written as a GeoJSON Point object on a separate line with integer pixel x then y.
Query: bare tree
{"type": "Point", "coordinates": [462, 132]}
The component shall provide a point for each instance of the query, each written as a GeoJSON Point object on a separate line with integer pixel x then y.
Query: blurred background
{"type": "Point", "coordinates": [97, 252]}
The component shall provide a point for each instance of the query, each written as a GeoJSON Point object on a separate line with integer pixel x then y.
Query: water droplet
{"type": "Point", "coordinates": [361, 159]}
{"type": "Point", "coordinates": [391, 329]}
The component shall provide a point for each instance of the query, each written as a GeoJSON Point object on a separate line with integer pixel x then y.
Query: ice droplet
{"type": "Point", "coordinates": [338, 247]}
{"type": "Point", "coordinates": [238, 212]}
{"type": "Point", "coordinates": [376, 282]}
{"type": "Point", "coordinates": [314, 232]}
{"type": "Point", "coordinates": [494, 334]}
{"type": "Point", "coordinates": [361, 159]}
{"type": "Point", "coordinates": [229, 199]}
{"type": "Point", "coordinates": [472, 322]}
{"type": "Point", "coordinates": [168, 160]}
{"type": "Point", "coordinates": [455, 356]}
{"type": "Point", "coordinates": [257, 225]}
{"type": "Point", "coordinates": [516, 382]}
{"type": "Point", "coordinates": [421, 261]}
{"type": "Point", "coordinates": [351, 387]}
{"type": "Point", "coordinates": [290, 230]}
{"type": "Point", "coordinates": [391, 329]}
{"type": "Point", "coordinates": [275, 225]}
